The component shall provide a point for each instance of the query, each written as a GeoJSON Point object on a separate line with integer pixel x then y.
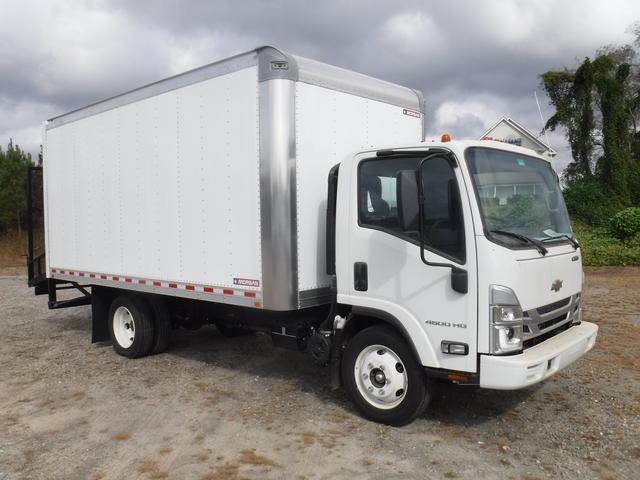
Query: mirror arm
{"type": "Point", "coordinates": [459, 276]}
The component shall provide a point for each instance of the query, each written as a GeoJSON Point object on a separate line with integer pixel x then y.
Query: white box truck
{"type": "Point", "coordinates": [251, 193]}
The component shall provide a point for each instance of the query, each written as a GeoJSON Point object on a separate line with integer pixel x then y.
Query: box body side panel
{"type": "Point", "coordinates": [164, 188]}
{"type": "Point", "coordinates": [329, 125]}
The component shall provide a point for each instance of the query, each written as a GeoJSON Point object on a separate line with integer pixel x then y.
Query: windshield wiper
{"type": "Point", "coordinates": [573, 241]}
{"type": "Point", "coordinates": [538, 246]}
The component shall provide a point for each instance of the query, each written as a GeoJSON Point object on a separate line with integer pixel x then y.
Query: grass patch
{"type": "Point", "coordinates": [601, 248]}
{"type": "Point", "coordinates": [227, 471]}
{"type": "Point", "coordinates": [152, 470]}
{"type": "Point", "coordinates": [252, 458]}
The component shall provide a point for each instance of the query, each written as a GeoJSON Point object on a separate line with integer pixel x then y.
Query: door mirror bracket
{"type": "Point", "coordinates": [411, 216]}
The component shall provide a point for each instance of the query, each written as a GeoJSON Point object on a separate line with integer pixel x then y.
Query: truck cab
{"type": "Point", "coordinates": [459, 259]}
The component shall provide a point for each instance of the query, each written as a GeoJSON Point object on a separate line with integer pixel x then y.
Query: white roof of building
{"type": "Point", "coordinates": [522, 131]}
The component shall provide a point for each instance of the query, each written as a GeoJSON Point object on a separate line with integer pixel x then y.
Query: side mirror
{"type": "Point", "coordinates": [407, 197]}
{"type": "Point", "coordinates": [459, 280]}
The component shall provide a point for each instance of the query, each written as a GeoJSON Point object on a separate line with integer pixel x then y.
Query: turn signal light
{"type": "Point", "coordinates": [454, 348]}
{"type": "Point", "coordinates": [445, 137]}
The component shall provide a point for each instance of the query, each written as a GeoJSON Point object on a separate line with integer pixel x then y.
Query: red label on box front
{"type": "Point", "coordinates": [411, 113]}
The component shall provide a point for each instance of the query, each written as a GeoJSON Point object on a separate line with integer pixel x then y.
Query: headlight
{"type": "Point", "coordinates": [506, 321]}
{"type": "Point", "coordinates": [577, 311]}
{"type": "Point", "coordinates": [506, 314]}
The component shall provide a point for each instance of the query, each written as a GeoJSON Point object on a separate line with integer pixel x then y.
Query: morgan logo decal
{"type": "Point", "coordinates": [556, 285]}
{"type": "Point", "coordinates": [246, 282]}
{"type": "Point", "coordinates": [411, 113]}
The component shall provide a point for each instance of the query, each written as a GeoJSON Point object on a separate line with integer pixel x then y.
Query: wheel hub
{"type": "Point", "coordinates": [380, 376]}
{"type": "Point", "coordinates": [377, 377]}
{"type": "Point", "coordinates": [123, 327]}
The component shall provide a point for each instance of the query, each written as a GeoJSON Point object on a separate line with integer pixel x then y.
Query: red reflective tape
{"type": "Point", "coordinates": [190, 287]}
{"type": "Point", "coordinates": [72, 273]}
{"type": "Point", "coordinates": [62, 271]}
{"type": "Point", "coordinates": [53, 270]}
{"type": "Point", "coordinates": [250, 294]}
{"type": "Point", "coordinates": [81, 274]}
{"type": "Point", "coordinates": [103, 277]}
{"type": "Point", "coordinates": [157, 284]}
{"type": "Point", "coordinates": [173, 285]}
{"type": "Point", "coordinates": [208, 289]}
{"type": "Point", "coordinates": [92, 275]}
{"type": "Point", "coordinates": [117, 279]}
{"type": "Point", "coordinates": [142, 282]}
{"type": "Point", "coordinates": [227, 292]}
{"type": "Point", "coordinates": [128, 280]}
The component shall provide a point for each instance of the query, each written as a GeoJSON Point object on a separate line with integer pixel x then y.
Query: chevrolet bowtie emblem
{"type": "Point", "coordinates": [556, 285]}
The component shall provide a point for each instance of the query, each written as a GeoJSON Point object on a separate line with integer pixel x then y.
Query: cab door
{"type": "Point", "coordinates": [383, 264]}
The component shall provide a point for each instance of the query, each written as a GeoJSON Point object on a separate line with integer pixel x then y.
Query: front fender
{"type": "Point", "coordinates": [407, 324]}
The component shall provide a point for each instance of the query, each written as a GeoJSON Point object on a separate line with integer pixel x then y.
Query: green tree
{"type": "Point", "coordinates": [13, 179]}
{"type": "Point", "coordinates": [614, 166]}
{"type": "Point", "coordinates": [598, 106]}
{"type": "Point", "coordinates": [572, 95]}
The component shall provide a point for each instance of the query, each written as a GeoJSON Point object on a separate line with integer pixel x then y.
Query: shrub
{"type": "Point", "coordinates": [587, 200]}
{"type": "Point", "coordinates": [626, 223]}
{"type": "Point", "coordinates": [600, 248]}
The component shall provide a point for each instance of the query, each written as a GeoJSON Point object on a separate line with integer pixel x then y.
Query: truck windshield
{"type": "Point", "coordinates": [520, 195]}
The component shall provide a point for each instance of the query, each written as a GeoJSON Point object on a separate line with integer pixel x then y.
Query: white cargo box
{"type": "Point", "coordinates": [212, 184]}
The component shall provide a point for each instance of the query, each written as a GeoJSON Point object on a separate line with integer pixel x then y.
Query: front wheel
{"type": "Point", "coordinates": [383, 378]}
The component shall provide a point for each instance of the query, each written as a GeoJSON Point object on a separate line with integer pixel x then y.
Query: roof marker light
{"type": "Point", "coordinates": [445, 137]}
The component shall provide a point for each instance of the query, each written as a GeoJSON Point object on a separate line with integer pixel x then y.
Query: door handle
{"type": "Point", "coordinates": [360, 277]}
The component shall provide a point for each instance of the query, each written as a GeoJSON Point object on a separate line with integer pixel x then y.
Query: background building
{"type": "Point", "coordinates": [508, 131]}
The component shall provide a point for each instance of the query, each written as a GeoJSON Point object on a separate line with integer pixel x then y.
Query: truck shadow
{"type": "Point", "coordinates": [255, 355]}
{"type": "Point", "coordinates": [470, 405]}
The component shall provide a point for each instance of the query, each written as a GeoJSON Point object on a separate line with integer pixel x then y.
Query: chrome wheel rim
{"type": "Point", "coordinates": [124, 327]}
{"type": "Point", "coordinates": [381, 377]}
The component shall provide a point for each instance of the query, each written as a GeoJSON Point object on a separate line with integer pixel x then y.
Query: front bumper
{"type": "Point", "coordinates": [539, 362]}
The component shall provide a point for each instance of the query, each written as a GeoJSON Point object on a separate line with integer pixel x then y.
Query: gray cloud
{"type": "Point", "coordinates": [475, 61]}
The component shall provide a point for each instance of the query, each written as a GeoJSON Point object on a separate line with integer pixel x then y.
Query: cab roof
{"type": "Point", "coordinates": [458, 146]}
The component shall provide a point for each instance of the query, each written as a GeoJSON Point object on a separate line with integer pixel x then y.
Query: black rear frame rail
{"type": "Point", "coordinates": [53, 286]}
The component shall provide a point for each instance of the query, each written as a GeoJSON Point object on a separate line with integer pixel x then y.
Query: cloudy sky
{"type": "Point", "coordinates": [476, 61]}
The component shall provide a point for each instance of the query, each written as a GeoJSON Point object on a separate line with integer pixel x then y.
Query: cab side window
{"type": "Point", "coordinates": [443, 224]}
{"type": "Point", "coordinates": [377, 202]}
{"type": "Point", "coordinates": [443, 228]}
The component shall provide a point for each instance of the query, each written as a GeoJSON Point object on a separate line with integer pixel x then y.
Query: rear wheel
{"type": "Point", "coordinates": [383, 378]}
{"type": "Point", "coordinates": [131, 326]}
{"type": "Point", "coordinates": [162, 324]}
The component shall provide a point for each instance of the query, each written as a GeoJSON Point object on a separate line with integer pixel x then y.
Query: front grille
{"type": "Point", "coordinates": [542, 323]}
{"type": "Point", "coordinates": [553, 306]}
{"type": "Point", "coordinates": [541, 338]}
{"type": "Point", "coordinates": [553, 321]}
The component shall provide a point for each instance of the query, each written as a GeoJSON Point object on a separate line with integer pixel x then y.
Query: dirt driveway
{"type": "Point", "coordinates": [215, 408]}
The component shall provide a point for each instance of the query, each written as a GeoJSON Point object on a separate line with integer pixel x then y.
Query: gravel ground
{"type": "Point", "coordinates": [218, 408]}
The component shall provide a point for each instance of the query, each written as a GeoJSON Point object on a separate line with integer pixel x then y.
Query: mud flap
{"type": "Point", "coordinates": [336, 359]}
{"type": "Point", "coordinates": [100, 301]}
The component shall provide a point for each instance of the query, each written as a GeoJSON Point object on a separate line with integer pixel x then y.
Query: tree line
{"type": "Point", "coordinates": [597, 105]}
{"type": "Point", "coordinates": [13, 187]}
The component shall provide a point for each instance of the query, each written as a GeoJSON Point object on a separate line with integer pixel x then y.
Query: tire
{"type": "Point", "coordinates": [383, 378]}
{"type": "Point", "coordinates": [131, 326]}
{"type": "Point", "coordinates": [162, 324]}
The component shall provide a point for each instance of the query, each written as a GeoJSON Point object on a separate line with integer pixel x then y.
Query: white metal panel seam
{"type": "Point", "coordinates": [257, 175]}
